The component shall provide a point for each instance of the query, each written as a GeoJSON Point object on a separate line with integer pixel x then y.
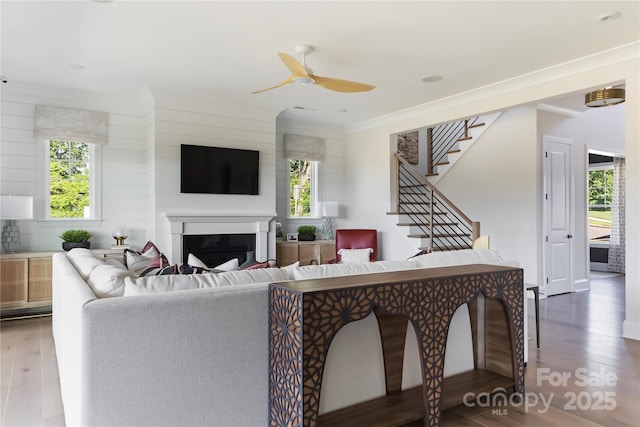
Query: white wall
{"type": "Point", "coordinates": [123, 166]}
{"type": "Point", "coordinates": [181, 119]}
{"type": "Point", "coordinates": [332, 182]}
{"type": "Point", "coordinates": [368, 156]}
{"type": "Point", "coordinates": [496, 183]}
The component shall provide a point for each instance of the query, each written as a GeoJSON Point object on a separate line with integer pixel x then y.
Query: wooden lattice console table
{"type": "Point", "coordinates": [305, 316]}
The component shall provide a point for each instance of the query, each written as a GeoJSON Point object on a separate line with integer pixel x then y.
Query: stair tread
{"type": "Point", "coordinates": [464, 138]}
{"type": "Point", "coordinates": [453, 152]}
{"type": "Point", "coordinates": [476, 125]}
{"type": "Point", "coordinates": [432, 174]}
{"type": "Point", "coordinates": [442, 163]}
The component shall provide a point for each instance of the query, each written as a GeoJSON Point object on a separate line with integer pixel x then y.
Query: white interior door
{"type": "Point", "coordinates": [558, 216]}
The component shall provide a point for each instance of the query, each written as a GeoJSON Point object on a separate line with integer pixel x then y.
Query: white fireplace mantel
{"type": "Point", "coordinates": [182, 223]}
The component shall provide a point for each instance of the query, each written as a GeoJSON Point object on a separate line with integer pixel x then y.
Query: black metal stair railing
{"type": "Point", "coordinates": [445, 137]}
{"type": "Point", "coordinates": [431, 214]}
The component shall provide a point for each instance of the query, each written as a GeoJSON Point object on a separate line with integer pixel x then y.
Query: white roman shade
{"type": "Point", "coordinates": [67, 124]}
{"type": "Point", "coordinates": [302, 147]}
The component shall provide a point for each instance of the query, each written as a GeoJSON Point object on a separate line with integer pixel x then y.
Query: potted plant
{"type": "Point", "coordinates": [307, 233]}
{"type": "Point", "coordinates": [75, 239]}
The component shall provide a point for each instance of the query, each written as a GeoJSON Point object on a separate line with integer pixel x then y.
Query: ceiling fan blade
{"type": "Point", "coordinates": [274, 87]}
{"type": "Point", "coordinates": [296, 68]}
{"type": "Point", "coordinates": [340, 85]}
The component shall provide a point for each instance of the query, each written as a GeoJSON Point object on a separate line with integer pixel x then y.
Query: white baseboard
{"type": "Point", "coordinates": [631, 330]}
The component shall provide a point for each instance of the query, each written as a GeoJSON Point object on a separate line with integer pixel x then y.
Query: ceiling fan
{"type": "Point", "coordinates": [303, 75]}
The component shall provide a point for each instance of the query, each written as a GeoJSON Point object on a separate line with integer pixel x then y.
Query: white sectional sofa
{"type": "Point", "coordinates": [130, 353]}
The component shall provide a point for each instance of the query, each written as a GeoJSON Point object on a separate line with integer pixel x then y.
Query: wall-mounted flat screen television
{"type": "Point", "coordinates": [215, 170]}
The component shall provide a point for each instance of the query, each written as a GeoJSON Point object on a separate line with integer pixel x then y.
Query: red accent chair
{"type": "Point", "coordinates": [357, 239]}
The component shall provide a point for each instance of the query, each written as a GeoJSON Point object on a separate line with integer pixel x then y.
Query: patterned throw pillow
{"type": "Point", "coordinates": [257, 265]}
{"type": "Point", "coordinates": [139, 261]}
{"type": "Point", "coordinates": [177, 269]}
{"type": "Point", "coordinates": [422, 252]}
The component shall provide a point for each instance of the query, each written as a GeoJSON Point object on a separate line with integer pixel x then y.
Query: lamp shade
{"type": "Point", "coordinates": [330, 209]}
{"type": "Point", "coordinates": [16, 207]}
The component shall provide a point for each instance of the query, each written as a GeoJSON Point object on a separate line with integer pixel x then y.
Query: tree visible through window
{"type": "Point", "coordinates": [69, 179]}
{"type": "Point", "coordinates": [600, 191]}
{"type": "Point", "coordinates": [300, 188]}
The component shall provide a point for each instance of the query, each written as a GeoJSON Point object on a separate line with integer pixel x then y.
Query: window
{"type": "Point", "coordinates": [302, 188]}
{"type": "Point", "coordinates": [71, 180]}
{"type": "Point", "coordinates": [600, 191]}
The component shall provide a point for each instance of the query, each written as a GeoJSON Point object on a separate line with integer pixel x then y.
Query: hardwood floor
{"type": "Point", "coordinates": [580, 337]}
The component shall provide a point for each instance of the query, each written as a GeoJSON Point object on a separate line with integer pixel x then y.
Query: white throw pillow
{"type": "Point", "coordinates": [194, 261]}
{"type": "Point", "coordinates": [355, 256]}
{"type": "Point", "coordinates": [107, 280]}
{"type": "Point", "coordinates": [231, 265]}
{"type": "Point", "coordinates": [289, 269]}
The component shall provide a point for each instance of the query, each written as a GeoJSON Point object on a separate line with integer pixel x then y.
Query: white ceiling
{"type": "Point", "coordinates": [225, 50]}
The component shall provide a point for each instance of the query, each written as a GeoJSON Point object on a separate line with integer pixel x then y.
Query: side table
{"type": "Point", "coordinates": [306, 315]}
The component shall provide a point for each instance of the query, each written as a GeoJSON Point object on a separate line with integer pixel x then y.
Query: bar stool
{"type": "Point", "coordinates": [536, 292]}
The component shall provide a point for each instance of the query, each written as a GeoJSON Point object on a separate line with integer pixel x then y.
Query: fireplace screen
{"type": "Point", "coordinates": [215, 249]}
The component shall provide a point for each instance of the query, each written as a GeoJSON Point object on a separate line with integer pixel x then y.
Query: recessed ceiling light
{"type": "Point", "coordinates": [76, 67]}
{"type": "Point", "coordinates": [102, 1]}
{"type": "Point", "coordinates": [608, 16]}
{"type": "Point", "coordinates": [342, 110]}
{"type": "Point", "coordinates": [432, 79]}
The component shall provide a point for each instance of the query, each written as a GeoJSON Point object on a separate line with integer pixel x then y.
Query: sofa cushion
{"type": "Point", "coordinates": [155, 284]}
{"type": "Point", "coordinates": [461, 257]}
{"type": "Point", "coordinates": [107, 280]}
{"type": "Point", "coordinates": [80, 252]}
{"type": "Point", "coordinates": [85, 264]}
{"type": "Point", "coordinates": [392, 265]}
{"type": "Point", "coordinates": [333, 270]}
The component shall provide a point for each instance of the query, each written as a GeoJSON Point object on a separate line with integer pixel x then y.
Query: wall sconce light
{"type": "Point", "coordinates": [604, 97]}
{"type": "Point", "coordinates": [11, 209]}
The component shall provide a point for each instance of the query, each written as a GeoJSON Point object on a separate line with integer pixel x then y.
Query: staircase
{"type": "Point", "coordinates": [447, 143]}
{"type": "Point", "coordinates": [429, 217]}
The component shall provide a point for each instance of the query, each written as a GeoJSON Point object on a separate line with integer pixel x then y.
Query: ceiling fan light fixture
{"type": "Point", "coordinates": [604, 97]}
{"type": "Point", "coordinates": [303, 81]}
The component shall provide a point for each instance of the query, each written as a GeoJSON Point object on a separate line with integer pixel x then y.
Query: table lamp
{"type": "Point", "coordinates": [329, 210]}
{"type": "Point", "coordinates": [13, 208]}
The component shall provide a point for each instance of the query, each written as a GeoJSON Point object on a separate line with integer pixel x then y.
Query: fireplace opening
{"type": "Point", "coordinates": [215, 249]}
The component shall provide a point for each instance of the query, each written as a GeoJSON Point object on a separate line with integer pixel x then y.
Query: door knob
{"type": "Point", "coordinates": [569, 236]}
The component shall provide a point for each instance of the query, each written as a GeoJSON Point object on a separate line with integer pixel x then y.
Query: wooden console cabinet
{"type": "Point", "coordinates": [316, 252]}
{"type": "Point", "coordinates": [306, 315]}
{"type": "Point", "coordinates": [25, 279]}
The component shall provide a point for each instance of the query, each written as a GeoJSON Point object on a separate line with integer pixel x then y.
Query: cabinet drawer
{"type": "Point", "coordinates": [40, 271]}
{"type": "Point", "coordinates": [13, 280]}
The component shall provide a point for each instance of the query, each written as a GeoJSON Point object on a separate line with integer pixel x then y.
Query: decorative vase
{"type": "Point", "coordinates": [306, 237]}
{"type": "Point", "coordinates": [251, 259]}
{"type": "Point", "coordinates": [11, 236]}
{"type": "Point", "coordinates": [327, 228]}
{"type": "Point", "coordinates": [67, 246]}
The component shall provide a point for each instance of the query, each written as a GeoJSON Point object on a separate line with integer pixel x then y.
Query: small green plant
{"type": "Point", "coordinates": [307, 230]}
{"type": "Point", "coordinates": [76, 236]}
